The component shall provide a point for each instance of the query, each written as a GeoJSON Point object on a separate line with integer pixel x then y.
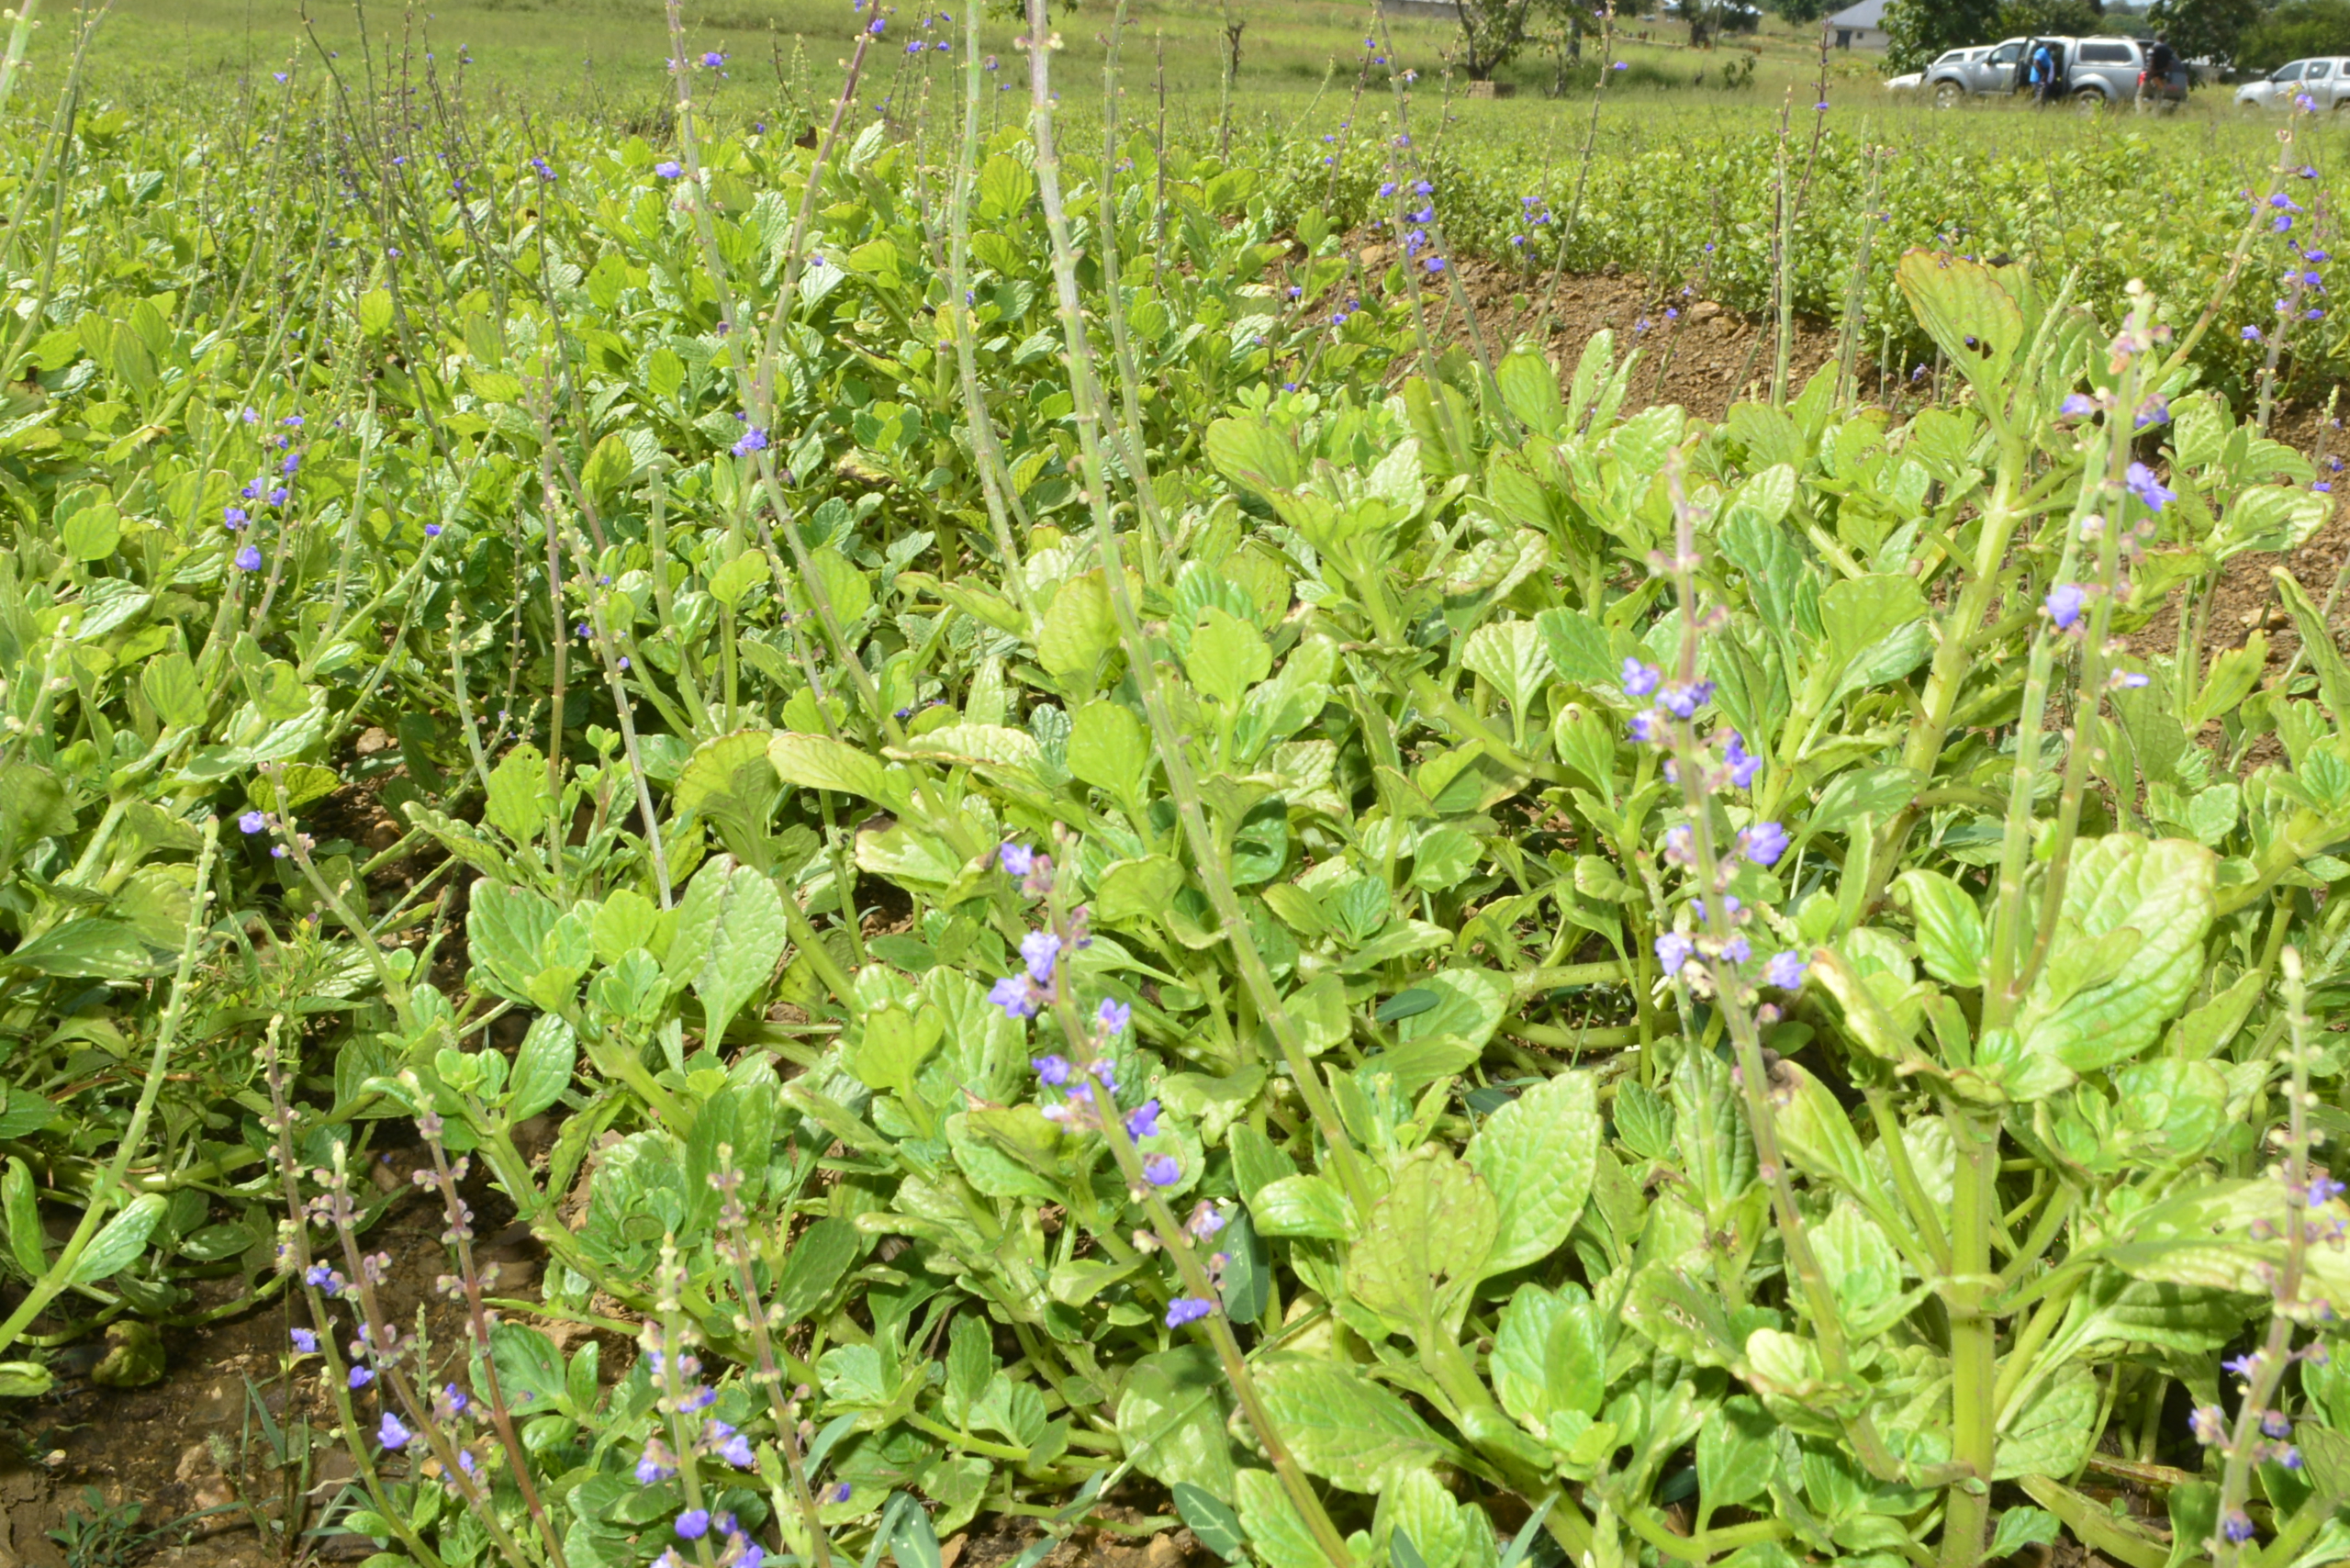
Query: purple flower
{"type": "Point", "coordinates": [1736, 950]}
{"type": "Point", "coordinates": [249, 559]}
{"type": "Point", "coordinates": [2129, 681]}
{"type": "Point", "coordinates": [233, 517]}
{"type": "Point", "coordinates": [1783, 970]}
{"type": "Point", "coordinates": [2077, 404]}
{"type": "Point", "coordinates": [360, 1377]}
{"type": "Point", "coordinates": [1743, 764]}
{"type": "Point", "coordinates": [1648, 726]}
{"type": "Point", "coordinates": [1113, 1015]}
{"type": "Point", "coordinates": [838, 1494]}
{"type": "Point", "coordinates": [1016, 858]}
{"type": "Point", "coordinates": [1013, 994]}
{"type": "Point", "coordinates": [654, 1465]}
{"type": "Point", "coordinates": [669, 169]}
{"type": "Point", "coordinates": [1682, 701]}
{"type": "Point", "coordinates": [2147, 489]}
{"type": "Point", "coordinates": [1763, 843]}
{"type": "Point", "coordinates": [252, 492]}
{"type": "Point", "coordinates": [2275, 1424]}
{"type": "Point", "coordinates": [754, 440]}
{"type": "Point", "coordinates": [2242, 1365]}
{"type": "Point", "coordinates": [1143, 1120]}
{"type": "Point", "coordinates": [1433, 263]}
{"type": "Point", "coordinates": [2237, 1526]}
{"type": "Point", "coordinates": [728, 1445]}
{"type": "Point", "coordinates": [391, 1434]}
{"type": "Point", "coordinates": [876, 30]}
{"type": "Point", "coordinates": [713, 59]}
{"type": "Point", "coordinates": [2209, 1423]}
{"type": "Point", "coordinates": [1187, 1309]}
{"type": "Point", "coordinates": [251, 823]}
{"type": "Point", "coordinates": [305, 1341]}
{"type": "Point", "coordinates": [1161, 1170]}
{"type": "Point", "coordinates": [1051, 1069]}
{"type": "Point", "coordinates": [1639, 680]}
{"type": "Point", "coordinates": [1040, 948]}
{"type": "Point", "coordinates": [1105, 1072]}
{"type": "Point", "coordinates": [694, 1523]}
{"type": "Point", "coordinates": [432, 531]}
{"type": "Point", "coordinates": [2324, 1189]}
{"type": "Point", "coordinates": [2063, 606]}
{"type": "Point", "coordinates": [277, 497]}
{"type": "Point", "coordinates": [1672, 950]}
{"type": "Point", "coordinates": [1387, 188]}
{"type": "Point", "coordinates": [292, 461]}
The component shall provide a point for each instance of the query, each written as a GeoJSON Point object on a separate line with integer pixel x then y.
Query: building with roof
{"type": "Point", "coordinates": [1859, 25]}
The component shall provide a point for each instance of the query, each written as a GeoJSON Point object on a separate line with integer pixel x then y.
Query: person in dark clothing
{"type": "Point", "coordinates": [2155, 89]}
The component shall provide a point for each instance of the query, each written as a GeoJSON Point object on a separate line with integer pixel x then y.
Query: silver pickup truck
{"type": "Point", "coordinates": [2094, 72]}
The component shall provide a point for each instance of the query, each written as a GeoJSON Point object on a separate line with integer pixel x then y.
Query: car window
{"type": "Point", "coordinates": [2287, 73]}
{"type": "Point", "coordinates": [2317, 67]}
{"type": "Point", "coordinates": [2006, 55]}
{"type": "Point", "coordinates": [2104, 54]}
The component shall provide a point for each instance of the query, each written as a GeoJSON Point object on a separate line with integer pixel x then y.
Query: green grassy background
{"type": "Point", "coordinates": [1297, 59]}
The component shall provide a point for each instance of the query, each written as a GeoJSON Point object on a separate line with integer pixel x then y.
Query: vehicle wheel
{"type": "Point", "coordinates": [2088, 101]}
{"type": "Point", "coordinates": [1948, 94]}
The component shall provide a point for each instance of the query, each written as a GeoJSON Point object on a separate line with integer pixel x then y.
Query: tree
{"type": "Point", "coordinates": [1918, 30]}
{"type": "Point", "coordinates": [2204, 29]}
{"type": "Point", "coordinates": [2293, 30]}
{"type": "Point", "coordinates": [1491, 32]}
{"type": "Point", "coordinates": [2049, 18]}
{"type": "Point", "coordinates": [1798, 11]}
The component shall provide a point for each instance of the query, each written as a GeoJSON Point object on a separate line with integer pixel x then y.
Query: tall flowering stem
{"type": "Point", "coordinates": [1718, 960]}
{"type": "Point", "coordinates": [2260, 1427]}
{"type": "Point", "coordinates": [760, 1323]}
{"type": "Point", "coordinates": [306, 1273]}
{"type": "Point", "coordinates": [1089, 1106]}
{"type": "Point", "coordinates": [443, 1178]}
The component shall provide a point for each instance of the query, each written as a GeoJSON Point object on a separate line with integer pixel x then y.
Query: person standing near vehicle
{"type": "Point", "coordinates": [2154, 82]}
{"type": "Point", "coordinates": [2043, 73]}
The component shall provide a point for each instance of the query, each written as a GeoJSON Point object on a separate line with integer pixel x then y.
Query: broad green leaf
{"type": "Point", "coordinates": [1432, 1229]}
{"type": "Point", "coordinates": [1737, 1453]}
{"type": "Point", "coordinates": [1469, 1006]}
{"type": "Point", "coordinates": [1536, 1156]}
{"type": "Point", "coordinates": [730, 937]}
{"type": "Point", "coordinates": [2161, 893]}
{"type": "Point", "coordinates": [119, 1243]}
{"type": "Point", "coordinates": [1172, 1419]}
{"type": "Point", "coordinates": [1079, 627]}
{"type": "Point", "coordinates": [819, 1258]}
{"type": "Point", "coordinates": [1950, 928]}
{"type": "Point", "coordinates": [170, 684]}
{"type": "Point", "coordinates": [894, 1045]}
{"type": "Point", "coordinates": [1344, 1428]}
{"type": "Point", "coordinates": [21, 1212]}
{"type": "Point", "coordinates": [25, 1380]}
{"type": "Point", "coordinates": [90, 948]}
{"type": "Point", "coordinates": [520, 806]}
{"type": "Point", "coordinates": [815, 762]}
{"type": "Point", "coordinates": [1137, 890]}
{"type": "Point", "coordinates": [1227, 656]}
{"type": "Point", "coordinates": [1963, 309]}
{"type": "Point", "coordinates": [1863, 1270]}
{"type": "Point", "coordinates": [541, 1066]}
{"type": "Point", "coordinates": [1108, 749]}
{"type": "Point", "coordinates": [1301, 1205]}
{"type": "Point", "coordinates": [1512, 659]}
{"type": "Point", "coordinates": [1255, 456]}
{"type": "Point", "coordinates": [2051, 1434]}
{"type": "Point", "coordinates": [1217, 1526]}
{"type": "Point", "coordinates": [1275, 1531]}
{"type": "Point", "coordinates": [1422, 1512]}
